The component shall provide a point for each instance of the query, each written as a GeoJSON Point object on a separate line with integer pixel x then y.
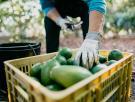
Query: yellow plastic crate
{"type": "Point", "coordinates": [109, 85]}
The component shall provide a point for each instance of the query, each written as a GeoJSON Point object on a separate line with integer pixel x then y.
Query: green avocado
{"type": "Point", "coordinates": [102, 59]}
{"type": "Point", "coordinates": [71, 61]}
{"type": "Point", "coordinates": [36, 70]}
{"type": "Point", "coordinates": [115, 55]}
{"type": "Point", "coordinates": [66, 52]}
{"type": "Point", "coordinates": [55, 87]}
{"type": "Point", "coordinates": [97, 68]}
{"type": "Point", "coordinates": [110, 62]}
{"type": "Point", "coordinates": [45, 71]}
{"type": "Point", "coordinates": [68, 75]}
{"type": "Point", "coordinates": [62, 60]}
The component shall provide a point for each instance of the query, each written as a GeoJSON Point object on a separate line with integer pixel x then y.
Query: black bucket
{"type": "Point", "coordinates": [10, 51]}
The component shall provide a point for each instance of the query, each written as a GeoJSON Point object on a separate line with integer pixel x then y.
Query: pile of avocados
{"type": "Point", "coordinates": [62, 71]}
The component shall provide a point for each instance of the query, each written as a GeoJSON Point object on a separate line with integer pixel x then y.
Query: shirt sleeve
{"type": "Point", "coordinates": [46, 5]}
{"type": "Point", "coordinates": [97, 5]}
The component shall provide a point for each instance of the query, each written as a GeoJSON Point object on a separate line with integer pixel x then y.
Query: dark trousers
{"type": "Point", "coordinates": [78, 9]}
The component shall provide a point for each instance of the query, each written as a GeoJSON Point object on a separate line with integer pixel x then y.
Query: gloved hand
{"type": "Point", "coordinates": [76, 22]}
{"type": "Point", "coordinates": [77, 26]}
{"type": "Point", "coordinates": [62, 23]}
{"type": "Point", "coordinates": [88, 52]}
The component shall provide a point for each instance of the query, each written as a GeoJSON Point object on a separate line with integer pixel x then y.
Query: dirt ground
{"type": "Point", "coordinates": [124, 44]}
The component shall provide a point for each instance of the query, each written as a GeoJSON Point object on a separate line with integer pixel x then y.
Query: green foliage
{"type": "Point", "coordinates": [126, 20]}
{"type": "Point", "coordinates": [1, 1]}
{"type": "Point", "coordinates": [120, 16]}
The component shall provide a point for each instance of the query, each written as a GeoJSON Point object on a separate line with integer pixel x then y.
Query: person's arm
{"type": "Point", "coordinates": [97, 9]}
{"type": "Point", "coordinates": [46, 6]}
{"type": "Point", "coordinates": [88, 52]}
{"type": "Point", "coordinates": [96, 21]}
{"type": "Point", "coordinates": [50, 11]}
{"type": "Point", "coordinates": [53, 14]}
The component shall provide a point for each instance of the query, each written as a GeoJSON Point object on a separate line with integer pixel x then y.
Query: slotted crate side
{"type": "Point", "coordinates": [22, 87]}
{"type": "Point", "coordinates": [15, 84]}
{"type": "Point", "coordinates": [25, 64]}
{"type": "Point", "coordinates": [16, 88]}
{"type": "Point", "coordinates": [118, 83]}
{"type": "Point", "coordinates": [92, 90]}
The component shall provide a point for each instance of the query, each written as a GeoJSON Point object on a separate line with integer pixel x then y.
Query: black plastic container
{"type": "Point", "coordinates": [10, 51]}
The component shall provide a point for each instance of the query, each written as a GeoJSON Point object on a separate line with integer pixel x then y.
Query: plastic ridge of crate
{"type": "Point", "coordinates": [109, 85]}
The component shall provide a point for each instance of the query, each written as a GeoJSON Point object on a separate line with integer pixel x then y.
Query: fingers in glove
{"type": "Point", "coordinates": [77, 26]}
{"type": "Point", "coordinates": [78, 19]}
{"type": "Point", "coordinates": [69, 19]}
{"type": "Point", "coordinates": [91, 59]}
{"type": "Point", "coordinates": [88, 61]}
{"type": "Point", "coordinates": [63, 26]}
{"type": "Point", "coordinates": [85, 59]}
{"type": "Point", "coordinates": [78, 57]}
{"type": "Point", "coordinates": [96, 57]}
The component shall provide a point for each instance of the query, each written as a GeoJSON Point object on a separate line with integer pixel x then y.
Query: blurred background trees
{"type": "Point", "coordinates": [21, 19]}
{"type": "Point", "coordinates": [24, 19]}
{"type": "Point", "coordinates": [120, 17]}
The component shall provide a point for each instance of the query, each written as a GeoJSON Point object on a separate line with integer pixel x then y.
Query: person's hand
{"type": "Point", "coordinates": [76, 22]}
{"type": "Point", "coordinates": [77, 26]}
{"type": "Point", "coordinates": [62, 23]}
{"type": "Point", "coordinates": [87, 54]}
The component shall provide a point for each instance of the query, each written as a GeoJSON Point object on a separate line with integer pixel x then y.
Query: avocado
{"type": "Point", "coordinates": [115, 55]}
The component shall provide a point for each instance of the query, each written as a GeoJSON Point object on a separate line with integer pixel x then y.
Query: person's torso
{"type": "Point", "coordinates": [71, 7]}
{"type": "Point", "coordinates": [69, 1]}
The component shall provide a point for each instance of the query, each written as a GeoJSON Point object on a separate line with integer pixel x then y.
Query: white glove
{"type": "Point", "coordinates": [77, 26]}
{"type": "Point", "coordinates": [62, 23]}
{"type": "Point", "coordinates": [88, 52]}
{"type": "Point", "coordinates": [76, 22]}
